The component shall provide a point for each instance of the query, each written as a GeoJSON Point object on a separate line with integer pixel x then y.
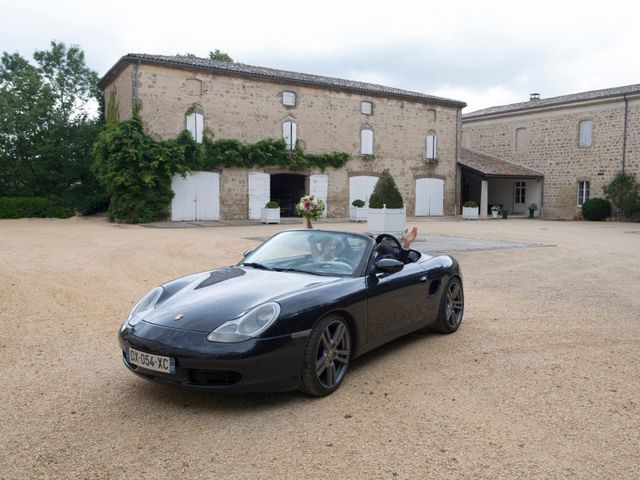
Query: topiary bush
{"type": "Point", "coordinates": [358, 203]}
{"type": "Point", "coordinates": [596, 209]}
{"type": "Point", "coordinates": [470, 204]}
{"type": "Point", "coordinates": [386, 193]}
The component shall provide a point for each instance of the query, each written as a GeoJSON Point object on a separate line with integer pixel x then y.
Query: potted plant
{"type": "Point", "coordinates": [495, 210]}
{"type": "Point", "coordinates": [532, 209]}
{"type": "Point", "coordinates": [386, 207]}
{"type": "Point", "coordinates": [357, 211]}
{"type": "Point", "coordinates": [310, 208]}
{"type": "Point", "coordinates": [470, 210]}
{"type": "Point", "coordinates": [270, 213]}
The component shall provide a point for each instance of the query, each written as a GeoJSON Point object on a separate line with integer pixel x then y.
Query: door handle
{"type": "Point", "coordinates": [423, 278]}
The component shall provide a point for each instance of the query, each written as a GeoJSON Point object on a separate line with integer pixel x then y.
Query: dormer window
{"type": "Point", "coordinates": [289, 99]}
{"type": "Point", "coordinates": [366, 108]}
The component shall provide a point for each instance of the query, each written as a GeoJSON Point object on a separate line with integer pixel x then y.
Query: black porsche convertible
{"type": "Point", "coordinates": [292, 314]}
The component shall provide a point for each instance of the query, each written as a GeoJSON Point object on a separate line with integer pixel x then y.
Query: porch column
{"type": "Point", "coordinates": [484, 199]}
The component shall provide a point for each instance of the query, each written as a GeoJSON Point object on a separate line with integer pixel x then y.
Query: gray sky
{"type": "Point", "coordinates": [483, 52]}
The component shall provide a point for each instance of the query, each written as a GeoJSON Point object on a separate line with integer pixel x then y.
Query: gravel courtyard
{"type": "Point", "coordinates": [541, 381]}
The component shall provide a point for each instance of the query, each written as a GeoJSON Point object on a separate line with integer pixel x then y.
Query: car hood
{"type": "Point", "coordinates": [204, 301]}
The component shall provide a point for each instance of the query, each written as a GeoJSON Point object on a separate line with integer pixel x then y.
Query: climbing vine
{"type": "Point", "coordinates": [137, 170]}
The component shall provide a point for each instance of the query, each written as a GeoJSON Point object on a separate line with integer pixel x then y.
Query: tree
{"type": "Point", "coordinates": [48, 122]}
{"type": "Point", "coordinates": [220, 56]}
{"type": "Point", "coordinates": [624, 193]}
{"type": "Point", "coordinates": [385, 192]}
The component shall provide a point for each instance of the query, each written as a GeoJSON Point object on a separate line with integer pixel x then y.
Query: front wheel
{"type": "Point", "coordinates": [451, 307]}
{"type": "Point", "coordinates": [326, 357]}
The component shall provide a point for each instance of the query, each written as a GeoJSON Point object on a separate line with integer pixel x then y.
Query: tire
{"type": "Point", "coordinates": [451, 307]}
{"type": "Point", "coordinates": [326, 356]}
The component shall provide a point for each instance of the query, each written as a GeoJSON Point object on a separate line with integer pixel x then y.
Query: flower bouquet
{"type": "Point", "coordinates": [310, 208]}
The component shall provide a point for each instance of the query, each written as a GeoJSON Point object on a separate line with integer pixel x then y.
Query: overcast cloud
{"type": "Point", "coordinates": [484, 53]}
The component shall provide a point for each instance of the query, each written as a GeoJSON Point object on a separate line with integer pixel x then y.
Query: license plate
{"type": "Point", "coordinates": [152, 362]}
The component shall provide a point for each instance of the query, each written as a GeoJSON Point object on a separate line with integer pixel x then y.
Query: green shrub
{"type": "Point", "coordinates": [32, 207]}
{"type": "Point", "coordinates": [358, 203]}
{"type": "Point", "coordinates": [624, 194]}
{"type": "Point", "coordinates": [470, 204]}
{"type": "Point", "coordinates": [596, 209]}
{"type": "Point", "coordinates": [272, 204]}
{"type": "Point", "coordinates": [386, 193]}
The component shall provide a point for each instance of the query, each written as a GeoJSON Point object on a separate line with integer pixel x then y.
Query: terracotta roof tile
{"type": "Point", "coordinates": [241, 69]}
{"type": "Point", "coordinates": [555, 101]}
{"type": "Point", "coordinates": [494, 167]}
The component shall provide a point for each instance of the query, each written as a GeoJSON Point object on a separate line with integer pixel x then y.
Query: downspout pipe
{"type": "Point", "coordinates": [624, 136]}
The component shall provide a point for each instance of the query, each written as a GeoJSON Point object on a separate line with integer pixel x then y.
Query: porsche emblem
{"type": "Point", "coordinates": [178, 317]}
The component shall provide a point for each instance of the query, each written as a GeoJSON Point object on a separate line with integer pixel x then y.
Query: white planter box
{"type": "Point", "coordinates": [270, 215]}
{"type": "Point", "coordinates": [386, 220]}
{"type": "Point", "coordinates": [358, 214]}
{"type": "Point", "coordinates": [470, 212]}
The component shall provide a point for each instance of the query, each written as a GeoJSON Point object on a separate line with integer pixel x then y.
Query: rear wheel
{"type": "Point", "coordinates": [326, 357]}
{"type": "Point", "coordinates": [451, 307]}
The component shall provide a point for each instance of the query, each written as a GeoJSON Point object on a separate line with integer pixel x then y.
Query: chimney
{"type": "Point", "coordinates": [534, 97]}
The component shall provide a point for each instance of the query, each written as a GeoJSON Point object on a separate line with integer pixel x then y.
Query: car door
{"type": "Point", "coordinates": [395, 302]}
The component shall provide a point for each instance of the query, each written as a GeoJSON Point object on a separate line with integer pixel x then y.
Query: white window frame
{"type": "Point", "coordinates": [366, 107]}
{"type": "Point", "coordinates": [195, 125]}
{"type": "Point", "coordinates": [289, 98]}
{"type": "Point", "coordinates": [585, 129]}
{"type": "Point", "coordinates": [431, 146]}
{"type": "Point", "coordinates": [290, 134]}
{"type": "Point", "coordinates": [366, 141]}
{"type": "Point", "coordinates": [584, 189]}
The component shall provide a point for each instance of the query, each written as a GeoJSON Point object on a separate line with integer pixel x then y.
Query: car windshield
{"type": "Point", "coordinates": [312, 251]}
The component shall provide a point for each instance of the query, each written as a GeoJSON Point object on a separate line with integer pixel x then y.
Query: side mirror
{"type": "Point", "coordinates": [247, 252]}
{"type": "Point", "coordinates": [389, 265]}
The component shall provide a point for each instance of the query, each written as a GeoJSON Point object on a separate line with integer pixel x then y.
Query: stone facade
{"type": "Point", "coordinates": [549, 142]}
{"type": "Point", "coordinates": [328, 118]}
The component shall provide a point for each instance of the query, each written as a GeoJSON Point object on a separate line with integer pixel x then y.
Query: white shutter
{"type": "Point", "coordinates": [195, 122]}
{"type": "Point", "coordinates": [432, 146]}
{"type": "Point", "coordinates": [290, 134]}
{"type": "Point", "coordinates": [207, 195]}
{"type": "Point", "coordinates": [429, 197]}
{"type": "Point", "coordinates": [183, 203]}
{"type": "Point", "coordinates": [361, 187]}
{"type": "Point", "coordinates": [319, 186]}
{"type": "Point", "coordinates": [366, 142]}
{"type": "Point", "coordinates": [259, 193]}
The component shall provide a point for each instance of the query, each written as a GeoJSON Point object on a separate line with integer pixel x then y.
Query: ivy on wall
{"type": "Point", "coordinates": [137, 170]}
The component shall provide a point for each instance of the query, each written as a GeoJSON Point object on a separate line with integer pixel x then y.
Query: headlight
{"type": "Point", "coordinates": [144, 306]}
{"type": "Point", "coordinates": [249, 325]}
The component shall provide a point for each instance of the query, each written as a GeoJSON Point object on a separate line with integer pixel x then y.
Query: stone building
{"type": "Point", "coordinates": [572, 146]}
{"type": "Point", "coordinates": [415, 136]}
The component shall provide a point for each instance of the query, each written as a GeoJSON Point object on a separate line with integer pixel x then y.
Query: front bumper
{"type": "Point", "coordinates": [272, 364]}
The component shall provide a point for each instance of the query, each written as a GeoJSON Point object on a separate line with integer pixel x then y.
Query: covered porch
{"type": "Point", "coordinates": [490, 181]}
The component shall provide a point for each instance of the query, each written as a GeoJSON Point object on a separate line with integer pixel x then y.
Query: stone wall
{"type": "Point", "coordinates": [552, 147]}
{"type": "Point", "coordinates": [327, 120]}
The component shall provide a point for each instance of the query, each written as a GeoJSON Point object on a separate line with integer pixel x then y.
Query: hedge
{"type": "Point", "coordinates": [32, 207]}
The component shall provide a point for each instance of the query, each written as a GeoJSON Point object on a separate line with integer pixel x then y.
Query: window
{"type": "Point", "coordinates": [521, 139]}
{"type": "Point", "coordinates": [288, 99]}
{"type": "Point", "coordinates": [432, 146]}
{"type": "Point", "coordinates": [583, 192]}
{"type": "Point", "coordinates": [290, 134]}
{"type": "Point", "coordinates": [586, 137]}
{"type": "Point", "coordinates": [366, 142]}
{"type": "Point", "coordinates": [366, 108]}
{"type": "Point", "coordinates": [520, 192]}
{"type": "Point", "coordinates": [195, 123]}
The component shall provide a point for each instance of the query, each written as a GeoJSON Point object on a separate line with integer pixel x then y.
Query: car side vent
{"type": "Point", "coordinates": [434, 286]}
